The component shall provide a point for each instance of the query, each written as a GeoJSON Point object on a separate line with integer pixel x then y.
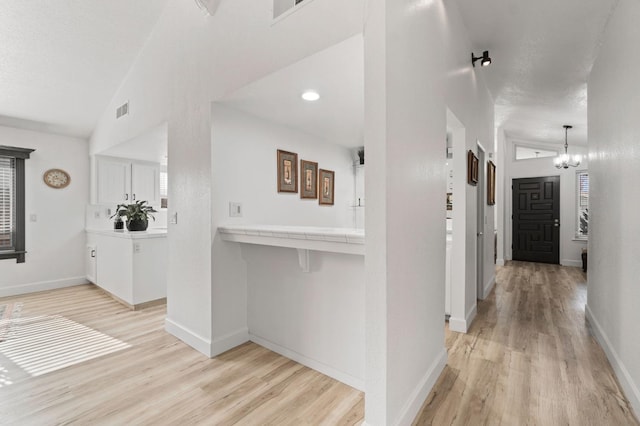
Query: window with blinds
{"type": "Point", "coordinates": [12, 196]}
{"type": "Point", "coordinates": [582, 179]}
{"type": "Point", "coordinates": [7, 203]}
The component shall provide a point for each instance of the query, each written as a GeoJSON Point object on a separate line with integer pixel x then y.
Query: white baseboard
{"type": "Point", "coordinates": [420, 393]}
{"type": "Point", "coordinates": [229, 341]}
{"type": "Point", "coordinates": [340, 376]}
{"type": "Point", "coordinates": [460, 325]}
{"type": "Point", "coordinates": [488, 287]}
{"type": "Point", "coordinates": [41, 286]}
{"type": "Point", "coordinates": [571, 262]}
{"type": "Point", "coordinates": [631, 390]}
{"type": "Point", "coordinates": [188, 336]}
{"type": "Point", "coordinates": [499, 262]}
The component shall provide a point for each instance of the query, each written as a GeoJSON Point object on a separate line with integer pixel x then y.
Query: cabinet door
{"type": "Point", "coordinates": [145, 183]}
{"type": "Point", "coordinates": [114, 181]}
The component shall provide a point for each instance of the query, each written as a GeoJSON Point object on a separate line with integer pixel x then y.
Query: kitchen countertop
{"type": "Point", "coordinates": [149, 233]}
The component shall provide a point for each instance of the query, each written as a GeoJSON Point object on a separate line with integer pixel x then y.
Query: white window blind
{"type": "Point", "coordinates": [582, 178]}
{"type": "Point", "coordinates": [7, 203]}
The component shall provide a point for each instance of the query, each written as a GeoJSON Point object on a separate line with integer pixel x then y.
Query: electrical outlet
{"type": "Point", "coordinates": [33, 217]}
{"type": "Point", "coordinates": [137, 247]}
{"type": "Point", "coordinates": [235, 209]}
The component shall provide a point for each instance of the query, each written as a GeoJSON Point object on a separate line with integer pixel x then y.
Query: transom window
{"type": "Point", "coordinates": [529, 152]}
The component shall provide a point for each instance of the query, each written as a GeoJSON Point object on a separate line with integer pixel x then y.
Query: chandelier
{"type": "Point", "coordinates": [564, 161]}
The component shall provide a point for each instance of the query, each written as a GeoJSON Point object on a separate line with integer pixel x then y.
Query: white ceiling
{"type": "Point", "coordinates": [61, 61]}
{"type": "Point", "coordinates": [336, 73]}
{"type": "Point", "coordinates": [542, 54]}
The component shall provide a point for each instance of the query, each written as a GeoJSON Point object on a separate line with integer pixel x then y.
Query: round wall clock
{"type": "Point", "coordinates": [56, 178]}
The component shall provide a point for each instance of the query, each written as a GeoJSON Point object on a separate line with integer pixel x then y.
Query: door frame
{"type": "Point", "coordinates": [480, 220]}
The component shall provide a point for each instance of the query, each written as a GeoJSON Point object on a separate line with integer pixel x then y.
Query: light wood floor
{"type": "Point", "coordinates": [158, 380]}
{"type": "Point", "coordinates": [527, 360]}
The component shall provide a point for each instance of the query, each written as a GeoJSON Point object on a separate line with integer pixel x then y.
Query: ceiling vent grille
{"type": "Point", "coordinates": [280, 7]}
{"type": "Point", "coordinates": [122, 110]}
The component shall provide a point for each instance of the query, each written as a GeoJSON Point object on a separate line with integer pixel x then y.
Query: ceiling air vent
{"type": "Point", "coordinates": [122, 110]}
{"type": "Point", "coordinates": [282, 6]}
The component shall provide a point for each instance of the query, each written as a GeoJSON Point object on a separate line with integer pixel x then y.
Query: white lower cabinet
{"type": "Point", "coordinates": [130, 266]}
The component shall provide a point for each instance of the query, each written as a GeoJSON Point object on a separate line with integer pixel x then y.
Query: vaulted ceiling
{"type": "Point", "coordinates": [61, 61]}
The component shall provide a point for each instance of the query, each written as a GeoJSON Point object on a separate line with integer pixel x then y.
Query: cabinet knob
{"type": "Point", "coordinates": [134, 197]}
{"type": "Point", "coordinates": [93, 253]}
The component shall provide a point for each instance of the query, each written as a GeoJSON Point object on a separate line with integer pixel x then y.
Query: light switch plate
{"type": "Point", "coordinates": [235, 209]}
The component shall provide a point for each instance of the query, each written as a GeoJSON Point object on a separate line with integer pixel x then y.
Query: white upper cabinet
{"type": "Point", "coordinates": [114, 180]}
{"type": "Point", "coordinates": [145, 182]}
{"type": "Point", "coordinates": [125, 181]}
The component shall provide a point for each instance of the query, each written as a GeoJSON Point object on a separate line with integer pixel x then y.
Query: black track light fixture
{"type": "Point", "coordinates": [485, 60]}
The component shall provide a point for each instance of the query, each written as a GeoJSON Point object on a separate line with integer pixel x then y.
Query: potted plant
{"type": "Point", "coordinates": [137, 215]}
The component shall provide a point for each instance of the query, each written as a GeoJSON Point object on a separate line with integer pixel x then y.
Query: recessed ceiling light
{"type": "Point", "coordinates": [310, 96]}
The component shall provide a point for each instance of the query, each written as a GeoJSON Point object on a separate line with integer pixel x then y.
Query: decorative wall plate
{"type": "Point", "coordinates": [56, 178]}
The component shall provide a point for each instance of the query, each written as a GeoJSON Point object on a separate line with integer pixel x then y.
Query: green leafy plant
{"type": "Point", "coordinates": [584, 222]}
{"type": "Point", "coordinates": [136, 211]}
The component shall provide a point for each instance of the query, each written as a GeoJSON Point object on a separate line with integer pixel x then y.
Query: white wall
{"type": "Point", "coordinates": [471, 103]}
{"type": "Point", "coordinates": [570, 248]}
{"type": "Point", "coordinates": [245, 170]}
{"type": "Point", "coordinates": [56, 241]}
{"type": "Point", "coordinates": [614, 130]}
{"type": "Point", "coordinates": [407, 93]}
{"type": "Point", "coordinates": [316, 318]}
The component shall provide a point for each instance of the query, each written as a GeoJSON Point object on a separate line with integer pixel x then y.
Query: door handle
{"type": "Point", "coordinates": [480, 234]}
{"type": "Point", "coordinates": [557, 225]}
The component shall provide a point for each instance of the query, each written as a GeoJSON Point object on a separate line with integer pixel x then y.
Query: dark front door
{"type": "Point", "coordinates": [536, 219]}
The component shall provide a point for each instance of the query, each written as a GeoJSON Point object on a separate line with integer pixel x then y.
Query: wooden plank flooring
{"type": "Point", "coordinates": [527, 360]}
{"type": "Point", "coordinates": [157, 380]}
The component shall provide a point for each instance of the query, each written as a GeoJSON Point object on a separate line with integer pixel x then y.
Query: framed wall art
{"type": "Point", "coordinates": [327, 185]}
{"type": "Point", "coordinates": [449, 201]}
{"type": "Point", "coordinates": [287, 171]}
{"type": "Point", "coordinates": [472, 168]}
{"type": "Point", "coordinates": [308, 179]}
{"type": "Point", "coordinates": [491, 183]}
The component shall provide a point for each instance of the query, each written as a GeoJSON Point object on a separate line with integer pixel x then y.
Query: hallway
{"type": "Point", "coordinates": [528, 358]}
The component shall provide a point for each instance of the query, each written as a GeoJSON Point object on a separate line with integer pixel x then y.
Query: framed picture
{"type": "Point", "coordinates": [327, 185]}
{"type": "Point", "coordinates": [287, 171]}
{"type": "Point", "coordinates": [308, 179]}
{"type": "Point", "coordinates": [472, 168]}
{"type": "Point", "coordinates": [491, 183]}
{"type": "Point", "coordinates": [449, 201]}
